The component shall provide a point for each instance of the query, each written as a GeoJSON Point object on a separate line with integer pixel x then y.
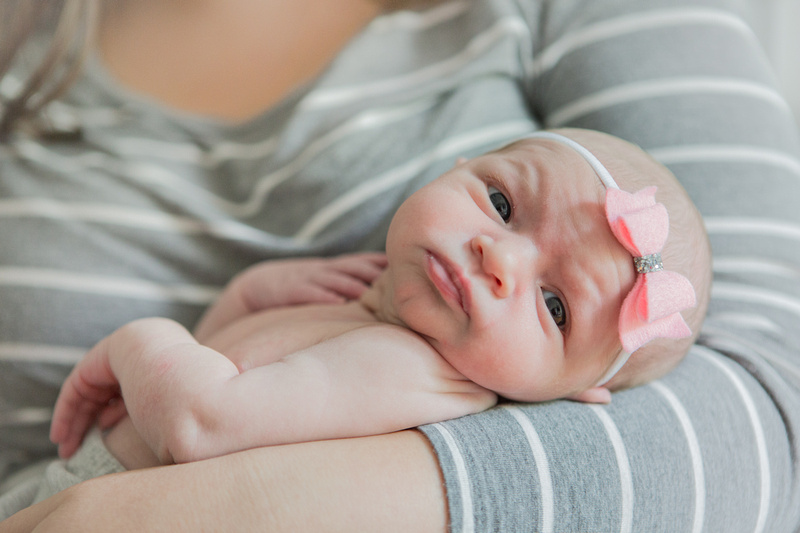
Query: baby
{"type": "Point", "coordinates": [531, 273]}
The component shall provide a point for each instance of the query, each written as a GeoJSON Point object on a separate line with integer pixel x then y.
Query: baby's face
{"type": "Point", "coordinates": [507, 266]}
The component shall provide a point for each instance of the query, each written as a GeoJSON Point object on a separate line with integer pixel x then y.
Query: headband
{"type": "Point", "coordinates": [652, 307]}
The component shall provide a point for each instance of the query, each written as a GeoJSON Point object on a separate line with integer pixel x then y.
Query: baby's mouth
{"type": "Point", "coordinates": [450, 283]}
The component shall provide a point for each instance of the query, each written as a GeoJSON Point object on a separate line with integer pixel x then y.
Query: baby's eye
{"type": "Point", "coordinates": [500, 203]}
{"type": "Point", "coordinates": [556, 307]}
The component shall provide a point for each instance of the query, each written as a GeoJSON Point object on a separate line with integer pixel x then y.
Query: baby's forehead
{"type": "Point", "coordinates": [552, 168]}
{"type": "Point", "coordinates": [617, 164]}
{"type": "Point", "coordinates": [542, 153]}
{"type": "Point", "coordinates": [533, 141]}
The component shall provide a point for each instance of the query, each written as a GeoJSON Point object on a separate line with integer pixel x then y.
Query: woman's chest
{"type": "Point", "coordinates": [231, 60]}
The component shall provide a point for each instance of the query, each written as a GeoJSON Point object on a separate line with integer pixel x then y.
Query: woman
{"type": "Point", "coordinates": [203, 137]}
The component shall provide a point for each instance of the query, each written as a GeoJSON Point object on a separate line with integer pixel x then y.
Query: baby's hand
{"type": "Point", "coordinates": [90, 394]}
{"type": "Point", "coordinates": [305, 281]}
{"type": "Point", "coordinates": [280, 283]}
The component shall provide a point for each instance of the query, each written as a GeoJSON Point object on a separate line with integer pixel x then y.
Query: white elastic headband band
{"type": "Point", "coordinates": [605, 177]}
{"type": "Point", "coordinates": [601, 171]}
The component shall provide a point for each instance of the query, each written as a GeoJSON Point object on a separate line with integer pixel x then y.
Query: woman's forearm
{"type": "Point", "coordinates": [382, 483]}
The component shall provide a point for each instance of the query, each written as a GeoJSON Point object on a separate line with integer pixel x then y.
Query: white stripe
{"type": "Point", "coordinates": [360, 123]}
{"type": "Point", "coordinates": [338, 96]}
{"type": "Point", "coordinates": [41, 353]}
{"type": "Point", "coordinates": [751, 321]}
{"type": "Point", "coordinates": [664, 87]}
{"type": "Point", "coordinates": [419, 20]}
{"type": "Point", "coordinates": [183, 152]}
{"type": "Point", "coordinates": [723, 340]}
{"type": "Point", "coordinates": [27, 416]}
{"type": "Point", "coordinates": [108, 286]}
{"type": "Point", "coordinates": [755, 295]}
{"type": "Point", "coordinates": [758, 433]}
{"type": "Point", "coordinates": [161, 177]}
{"type": "Point", "coordinates": [187, 152]}
{"type": "Point", "coordinates": [447, 148]}
{"type": "Point", "coordinates": [751, 265]}
{"type": "Point", "coordinates": [723, 153]}
{"type": "Point", "coordinates": [625, 478]}
{"type": "Point", "coordinates": [10, 85]}
{"type": "Point", "coordinates": [465, 488]}
{"type": "Point", "coordinates": [227, 150]}
{"type": "Point", "coordinates": [63, 113]}
{"type": "Point", "coordinates": [151, 174]}
{"type": "Point", "coordinates": [542, 467]}
{"type": "Point", "coordinates": [174, 151]}
{"type": "Point", "coordinates": [634, 23]}
{"type": "Point", "coordinates": [760, 227]}
{"type": "Point", "coordinates": [143, 220]}
{"type": "Point", "coordinates": [99, 213]}
{"type": "Point", "coordinates": [694, 452]}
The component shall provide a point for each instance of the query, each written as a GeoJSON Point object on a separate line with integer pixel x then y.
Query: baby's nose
{"type": "Point", "coordinates": [502, 261]}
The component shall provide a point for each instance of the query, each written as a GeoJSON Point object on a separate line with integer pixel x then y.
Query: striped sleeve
{"type": "Point", "coordinates": [710, 447]}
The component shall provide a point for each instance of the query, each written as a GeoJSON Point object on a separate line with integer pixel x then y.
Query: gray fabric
{"type": "Point", "coordinates": [153, 211]}
{"type": "Point", "coordinates": [40, 481]}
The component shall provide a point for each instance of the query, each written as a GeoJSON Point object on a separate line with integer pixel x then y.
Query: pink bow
{"type": "Point", "coordinates": [652, 308]}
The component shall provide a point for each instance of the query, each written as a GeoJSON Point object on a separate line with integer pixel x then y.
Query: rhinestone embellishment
{"type": "Point", "coordinates": [648, 263]}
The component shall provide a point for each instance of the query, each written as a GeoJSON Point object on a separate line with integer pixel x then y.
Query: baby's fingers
{"type": "Point", "coordinates": [376, 258]}
{"type": "Point", "coordinates": [365, 267]}
{"type": "Point", "coordinates": [68, 431]}
{"type": "Point", "coordinates": [342, 285]}
{"type": "Point", "coordinates": [73, 416]}
{"type": "Point", "coordinates": [67, 405]}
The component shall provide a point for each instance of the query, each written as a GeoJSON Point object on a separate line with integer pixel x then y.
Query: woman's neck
{"type": "Point", "coordinates": [228, 59]}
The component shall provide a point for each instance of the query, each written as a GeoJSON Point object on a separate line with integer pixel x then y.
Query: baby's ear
{"type": "Point", "coordinates": [593, 395]}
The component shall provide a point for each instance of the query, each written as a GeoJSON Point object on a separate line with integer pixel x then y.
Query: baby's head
{"type": "Point", "coordinates": [509, 267]}
{"type": "Point", "coordinates": [686, 250]}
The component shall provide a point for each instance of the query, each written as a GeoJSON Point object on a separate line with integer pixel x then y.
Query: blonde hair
{"type": "Point", "coordinates": [71, 26]}
{"type": "Point", "coordinates": [687, 250]}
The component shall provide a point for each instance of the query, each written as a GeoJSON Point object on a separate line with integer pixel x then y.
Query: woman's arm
{"type": "Point", "coordinates": [384, 483]}
{"type": "Point", "coordinates": [713, 446]}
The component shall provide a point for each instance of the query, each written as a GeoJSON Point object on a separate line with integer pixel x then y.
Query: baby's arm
{"type": "Point", "coordinates": [371, 380]}
{"type": "Point", "coordinates": [137, 363]}
{"type": "Point", "coordinates": [189, 402]}
{"type": "Point", "coordinates": [290, 282]}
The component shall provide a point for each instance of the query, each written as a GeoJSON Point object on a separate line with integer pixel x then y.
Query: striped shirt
{"type": "Point", "coordinates": [151, 211]}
